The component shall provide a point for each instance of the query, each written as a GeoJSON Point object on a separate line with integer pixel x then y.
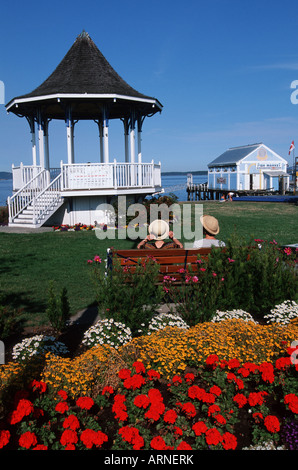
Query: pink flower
{"type": "Point", "coordinates": [230, 260]}
{"type": "Point", "coordinates": [97, 259]}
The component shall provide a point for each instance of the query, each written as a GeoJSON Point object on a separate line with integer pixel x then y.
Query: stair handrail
{"type": "Point", "coordinates": [54, 188]}
{"type": "Point", "coordinates": [25, 195]}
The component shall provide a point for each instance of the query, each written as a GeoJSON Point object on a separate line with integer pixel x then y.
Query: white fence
{"type": "Point", "coordinates": [110, 175]}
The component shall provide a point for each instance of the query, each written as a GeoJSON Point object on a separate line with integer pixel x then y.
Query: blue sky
{"type": "Point", "coordinates": [222, 70]}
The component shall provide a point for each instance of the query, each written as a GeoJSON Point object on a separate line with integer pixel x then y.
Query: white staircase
{"type": "Point", "coordinates": [34, 204]}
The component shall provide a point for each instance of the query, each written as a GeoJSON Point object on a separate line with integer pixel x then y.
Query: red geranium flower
{"type": "Point", "coordinates": [153, 374]}
{"type": "Point", "coordinates": [134, 382]}
{"type": "Point", "coordinates": [61, 407]}
{"type": "Point", "coordinates": [213, 409]}
{"type": "Point", "coordinates": [85, 403]}
{"type": "Point", "coordinates": [215, 390]}
{"type": "Point", "coordinates": [38, 385]}
{"type": "Point", "coordinates": [24, 408]}
{"type": "Point", "coordinates": [132, 435]}
{"type": "Point", "coordinates": [196, 392]}
{"type": "Point", "coordinates": [141, 401]}
{"type": "Point", "coordinates": [184, 446]}
{"type": "Point", "coordinates": [272, 423]}
{"type": "Point", "coordinates": [233, 363]}
{"type": "Point", "coordinates": [40, 447]}
{"type": "Point", "coordinates": [119, 407]}
{"type": "Point", "coordinates": [124, 374]}
{"type": "Point", "coordinates": [213, 436]}
{"type": "Point", "coordinates": [107, 390]}
{"type": "Point", "coordinates": [178, 431]}
{"type": "Point", "coordinates": [199, 428]}
{"type": "Point", "coordinates": [240, 399]}
{"type": "Point", "coordinates": [71, 422]}
{"type": "Point", "coordinates": [170, 416]}
{"type": "Point", "coordinates": [89, 437]}
{"type": "Point", "coordinates": [229, 441]}
{"type": "Point", "coordinates": [256, 398]}
{"type": "Point", "coordinates": [189, 409]}
{"type": "Point", "coordinates": [220, 419]}
{"type": "Point", "coordinates": [139, 366]}
{"type": "Point", "coordinates": [292, 401]}
{"type": "Point", "coordinates": [267, 370]}
{"type": "Point", "coordinates": [27, 440]}
{"type": "Point", "coordinates": [283, 363]}
{"type": "Point", "coordinates": [62, 394]}
{"type": "Point", "coordinates": [4, 438]}
{"type": "Point", "coordinates": [189, 377]}
{"type": "Point", "coordinates": [212, 360]}
{"type": "Point", "coordinates": [68, 437]}
{"type": "Point", "coordinates": [158, 443]}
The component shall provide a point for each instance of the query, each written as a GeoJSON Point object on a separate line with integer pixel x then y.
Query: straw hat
{"type": "Point", "coordinates": [159, 229]}
{"type": "Point", "coordinates": [210, 223]}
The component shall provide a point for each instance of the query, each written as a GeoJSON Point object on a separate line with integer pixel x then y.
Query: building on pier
{"type": "Point", "coordinates": [248, 168]}
{"type": "Point", "coordinates": [84, 86]}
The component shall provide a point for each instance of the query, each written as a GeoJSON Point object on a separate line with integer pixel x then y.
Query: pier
{"type": "Point", "coordinates": [201, 192]}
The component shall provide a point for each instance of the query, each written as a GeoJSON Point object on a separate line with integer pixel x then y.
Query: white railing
{"type": "Point", "coordinates": [110, 175]}
{"type": "Point", "coordinates": [24, 197]}
{"type": "Point", "coordinates": [22, 174]}
{"type": "Point", "coordinates": [46, 199]}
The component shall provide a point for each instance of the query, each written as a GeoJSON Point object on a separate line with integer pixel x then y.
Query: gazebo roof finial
{"type": "Point", "coordinates": [84, 35]}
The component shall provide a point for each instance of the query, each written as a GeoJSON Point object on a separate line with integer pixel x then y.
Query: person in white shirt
{"type": "Point", "coordinates": [210, 230]}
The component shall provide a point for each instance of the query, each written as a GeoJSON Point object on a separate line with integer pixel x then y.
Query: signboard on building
{"type": "Point", "coordinates": [268, 166]}
{"type": "Point", "coordinates": [221, 180]}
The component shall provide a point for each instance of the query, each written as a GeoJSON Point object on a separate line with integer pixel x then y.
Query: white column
{"type": "Point", "coordinates": [105, 137]}
{"type": "Point", "coordinates": [100, 128]}
{"type": "Point", "coordinates": [132, 142]}
{"type": "Point", "coordinates": [33, 141]}
{"type": "Point", "coordinates": [126, 132]}
{"type": "Point", "coordinates": [41, 142]}
{"type": "Point", "coordinates": [46, 151]}
{"type": "Point", "coordinates": [140, 140]}
{"type": "Point", "coordinates": [69, 137]}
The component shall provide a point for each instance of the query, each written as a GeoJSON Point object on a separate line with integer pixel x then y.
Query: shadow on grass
{"type": "Point", "coordinates": [72, 337]}
{"type": "Point", "coordinates": [22, 301]}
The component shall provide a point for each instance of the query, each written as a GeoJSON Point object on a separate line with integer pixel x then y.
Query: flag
{"type": "Point", "coordinates": [292, 146]}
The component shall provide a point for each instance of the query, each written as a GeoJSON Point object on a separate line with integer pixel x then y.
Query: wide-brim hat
{"type": "Point", "coordinates": [159, 229]}
{"type": "Point", "coordinates": [210, 223]}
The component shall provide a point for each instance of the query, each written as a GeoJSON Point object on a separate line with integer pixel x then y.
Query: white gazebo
{"type": "Point", "coordinates": [84, 86]}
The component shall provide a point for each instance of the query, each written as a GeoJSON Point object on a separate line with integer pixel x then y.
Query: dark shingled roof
{"type": "Point", "coordinates": [83, 71]}
{"type": "Point", "coordinates": [233, 155]}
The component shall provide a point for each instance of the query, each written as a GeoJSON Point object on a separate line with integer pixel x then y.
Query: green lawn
{"type": "Point", "coordinates": [28, 262]}
{"type": "Point", "coordinates": [267, 221]}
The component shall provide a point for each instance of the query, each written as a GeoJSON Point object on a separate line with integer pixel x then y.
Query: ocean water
{"type": "Point", "coordinates": [171, 183]}
{"type": "Point", "coordinates": [5, 191]}
{"type": "Point", "coordinates": [177, 184]}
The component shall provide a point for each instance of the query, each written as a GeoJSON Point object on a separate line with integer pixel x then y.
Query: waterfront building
{"type": "Point", "coordinates": [249, 168]}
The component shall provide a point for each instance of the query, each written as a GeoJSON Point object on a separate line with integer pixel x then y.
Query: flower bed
{"type": "Point", "coordinates": [227, 384]}
{"type": "Point", "coordinates": [221, 405]}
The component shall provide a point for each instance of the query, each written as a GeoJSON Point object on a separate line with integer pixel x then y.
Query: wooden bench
{"type": "Point", "coordinates": [170, 261]}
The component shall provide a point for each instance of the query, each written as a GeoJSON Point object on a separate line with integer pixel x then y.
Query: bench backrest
{"type": "Point", "coordinates": [170, 261]}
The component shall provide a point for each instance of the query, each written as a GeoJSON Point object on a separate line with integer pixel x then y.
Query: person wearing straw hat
{"type": "Point", "coordinates": [210, 230]}
{"type": "Point", "coordinates": [158, 231]}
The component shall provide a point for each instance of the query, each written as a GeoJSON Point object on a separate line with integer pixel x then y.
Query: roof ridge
{"type": "Point", "coordinates": [245, 146]}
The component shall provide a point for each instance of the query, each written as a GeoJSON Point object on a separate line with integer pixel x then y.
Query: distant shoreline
{"type": "Point", "coordinates": [173, 173]}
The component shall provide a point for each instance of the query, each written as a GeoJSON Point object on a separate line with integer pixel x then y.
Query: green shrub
{"type": "Point", "coordinates": [253, 277]}
{"type": "Point", "coordinates": [58, 310]}
{"type": "Point", "coordinates": [128, 295]}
